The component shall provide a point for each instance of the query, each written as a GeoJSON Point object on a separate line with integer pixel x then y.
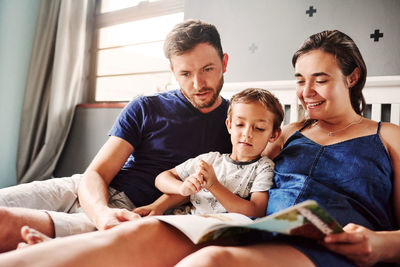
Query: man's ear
{"type": "Point", "coordinates": [353, 78]}
{"type": "Point", "coordinates": [228, 125]}
{"type": "Point", "coordinates": [225, 58]}
{"type": "Point", "coordinates": [275, 135]}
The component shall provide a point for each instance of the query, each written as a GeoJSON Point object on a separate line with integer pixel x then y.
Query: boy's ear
{"type": "Point", "coordinates": [275, 135]}
{"type": "Point", "coordinates": [228, 125]}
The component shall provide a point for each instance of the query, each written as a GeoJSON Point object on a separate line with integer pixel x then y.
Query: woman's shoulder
{"type": "Point", "coordinates": [390, 135]}
{"type": "Point", "coordinates": [273, 149]}
{"type": "Point", "coordinates": [290, 129]}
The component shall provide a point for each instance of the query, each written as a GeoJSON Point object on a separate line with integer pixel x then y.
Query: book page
{"type": "Point", "coordinates": [195, 226]}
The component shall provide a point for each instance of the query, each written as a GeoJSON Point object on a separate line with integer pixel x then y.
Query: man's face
{"type": "Point", "coordinates": [199, 73]}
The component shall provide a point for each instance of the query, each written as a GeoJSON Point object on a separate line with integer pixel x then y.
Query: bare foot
{"type": "Point", "coordinates": [31, 237]}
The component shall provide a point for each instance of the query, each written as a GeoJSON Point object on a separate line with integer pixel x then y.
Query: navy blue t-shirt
{"type": "Point", "coordinates": [165, 130]}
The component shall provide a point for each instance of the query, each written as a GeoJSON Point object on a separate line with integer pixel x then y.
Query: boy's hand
{"type": "Point", "coordinates": [191, 185]}
{"type": "Point", "coordinates": [206, 173]}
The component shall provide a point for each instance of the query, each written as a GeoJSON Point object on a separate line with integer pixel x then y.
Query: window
{"type": "Point", "coordinates": [128, 48]}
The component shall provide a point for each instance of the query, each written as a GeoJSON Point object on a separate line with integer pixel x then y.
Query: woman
{"type": "Point", "coordinates": [349, 164]}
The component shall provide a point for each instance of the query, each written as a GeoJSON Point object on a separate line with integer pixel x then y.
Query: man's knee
{"type": "Point", "coordinates": [143, 227]}
{"type": "Point", "coordinates": [8, 222]}
{"type": "Point", "coordinates": [211, 256]}
{"type": "Point", "coordinates": [5, 215]}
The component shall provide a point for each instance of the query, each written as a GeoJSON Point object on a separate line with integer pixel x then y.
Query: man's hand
{"type": "Point", "coordinates": [149, 210]}
{"type": "Point", "coordinates": [112, 217]}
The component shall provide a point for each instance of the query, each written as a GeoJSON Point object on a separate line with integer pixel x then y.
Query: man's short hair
{"type": "Point", "coordinates": [186, 35]}
{"type": "Point", "coordinates": [265, 97]}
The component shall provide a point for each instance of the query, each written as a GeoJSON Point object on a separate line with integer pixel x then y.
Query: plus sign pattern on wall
{"type": "Point", "coordinates": [261, 36]}
{"type": "Point", "coordinates": [310, 12]}
{"type": "Point", "coordinates": [376, 35]}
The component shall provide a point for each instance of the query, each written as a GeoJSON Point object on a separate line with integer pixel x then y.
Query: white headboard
{"type": "Point", "coordinates": [382, 94]}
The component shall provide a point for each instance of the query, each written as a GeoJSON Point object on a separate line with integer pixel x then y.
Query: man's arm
{"type": "Point", "coordinates": [93, 188]}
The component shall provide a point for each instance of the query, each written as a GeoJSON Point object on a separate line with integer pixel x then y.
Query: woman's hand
{"type": "Point", "coordinates": [359, 244]}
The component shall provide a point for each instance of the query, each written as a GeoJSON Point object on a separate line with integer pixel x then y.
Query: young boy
{"type": "Point", "coordinates": [219, 183]}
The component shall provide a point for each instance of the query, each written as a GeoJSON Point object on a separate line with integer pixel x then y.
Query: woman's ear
{"type": "Point", "coordinates": [352, 79]}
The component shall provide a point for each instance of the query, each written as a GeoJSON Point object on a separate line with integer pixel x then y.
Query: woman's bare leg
{"type": "Point", "coordinates": [255, 255]}
{"type": "Point", "coordinates": [145, 242]}
{"type": "Point", "coordinates": [11, 221]}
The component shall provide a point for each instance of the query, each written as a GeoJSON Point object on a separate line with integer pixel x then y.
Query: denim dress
{"type": "Point", "coordinates": [352, 180]}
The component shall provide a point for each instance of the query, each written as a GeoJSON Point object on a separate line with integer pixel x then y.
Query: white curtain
{"type": "Point", "coordinates": [57, 81]}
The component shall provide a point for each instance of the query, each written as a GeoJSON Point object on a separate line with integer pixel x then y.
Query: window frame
{"type": "Point", "coordinates": [141, 11]}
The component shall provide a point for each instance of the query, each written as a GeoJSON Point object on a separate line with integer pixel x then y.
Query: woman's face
{"type": "Point", "coordinates": [321, 86]}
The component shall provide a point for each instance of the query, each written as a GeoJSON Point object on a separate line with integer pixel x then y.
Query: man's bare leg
{"type": "Point", "coordinates": [11, 221]}
{"type": "Point", "coordinates": [145, 242]}
{"type": "Point", "coordinates": [255, 255]}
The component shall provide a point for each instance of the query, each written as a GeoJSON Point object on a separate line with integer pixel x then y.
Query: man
{"type": "Point", "coordinates": [152, 134]}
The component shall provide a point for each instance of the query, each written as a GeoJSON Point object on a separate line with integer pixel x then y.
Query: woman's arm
{"type": "Point", "coordinates": [390, 135]}
{"type": "Point", "coordinates": [365, 247]}
{"type": "Point", "coordinates": [361, 245]}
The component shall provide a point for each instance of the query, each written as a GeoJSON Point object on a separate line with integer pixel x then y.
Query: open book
{"type": "Point", "coordinates": [306, 219]}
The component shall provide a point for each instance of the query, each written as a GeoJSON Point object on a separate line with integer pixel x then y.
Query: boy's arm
{"type": "Point", "coordinates": [160, 205]}
{"type": "Point", "coordinates": [168, 182]}
{"type": "Point", "coordinates": [255, 207]}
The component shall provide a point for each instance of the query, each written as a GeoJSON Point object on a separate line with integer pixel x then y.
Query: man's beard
{"type": "Point", "coordinates": [209, 103]}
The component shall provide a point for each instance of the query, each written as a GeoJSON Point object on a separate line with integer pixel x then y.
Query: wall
{"type": "Point", "coordinates": [17, 26]}
{"type": "Point", "coordinates": [275, 29]}
{"type": "Point", "coordinates": [87, 135]}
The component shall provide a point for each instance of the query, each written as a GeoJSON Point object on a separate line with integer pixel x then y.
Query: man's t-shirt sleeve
{"type": "Point", "coordinates": [130, 122]}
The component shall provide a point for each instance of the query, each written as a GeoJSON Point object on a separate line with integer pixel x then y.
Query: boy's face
{"type": "Point", "coordinates": [251, 128]}
{"type": "Point", "coordinates": [199, 73]}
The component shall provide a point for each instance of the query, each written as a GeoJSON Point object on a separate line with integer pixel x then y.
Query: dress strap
{"type": "Point", "coordinates": [379, 127]}
{"type": "Point", "coordinates": [306, 124]}
{"type": "Point", "coordinates": [302, 128]}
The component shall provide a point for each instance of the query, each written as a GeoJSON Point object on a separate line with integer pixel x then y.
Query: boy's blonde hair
{"type": "Point", "coordinates": [266, 98]}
